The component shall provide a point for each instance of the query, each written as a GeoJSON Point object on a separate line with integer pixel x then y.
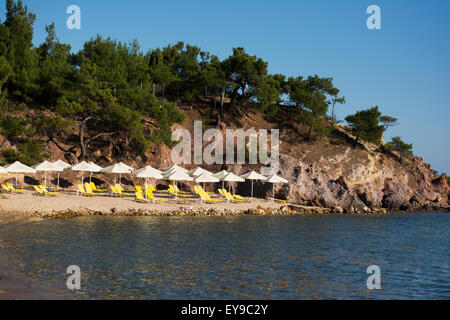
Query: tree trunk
{"type": "Point", "coordinates": [82, 145]}
{"type": "Point", "coordinates": [356, 142]}
{"type": "Point", "coordinates": [332, 113]}
{"type": "Point", "coordinates": [309, 133]}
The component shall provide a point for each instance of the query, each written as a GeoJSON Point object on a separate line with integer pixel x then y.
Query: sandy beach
{"type": "Point", "coordinates": [27, 204]}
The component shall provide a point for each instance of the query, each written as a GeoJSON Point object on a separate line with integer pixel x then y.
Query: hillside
{"type": "Point", "coordinates": [328, 172]}
{"type": "Point", "coordinates": [112, 101]}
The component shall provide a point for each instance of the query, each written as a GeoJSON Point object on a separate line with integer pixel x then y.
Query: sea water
{"type": "Point", "coordinates": [244, 257]}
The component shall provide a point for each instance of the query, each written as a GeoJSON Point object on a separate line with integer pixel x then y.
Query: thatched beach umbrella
{"type": "Point", "coordinates": [174, 168]}
{"type": "Point", "coordinates": [83, 167]}
{"type": "Point", "coordinates": [63, 165]}
{"type": "Point", "coordinates": [198, 171]}
{"type": "Point", "coordinates": [231, 177]}
{"type": "Point", "coordinates": [147, 172]}
{"type": "Point", "coordinates": [18, 167]}
{"type": "Point", "coordinates": [273, 180]}
{"type": "Point", "coordinates": [96, 168]}
{"type": "Point", "coordinates": [220, 175]}
{"type": "Point", "coordinates": [252, 175]}
{"type": "Point", "coordinates": [117, 168]}
{"type": "Point", "coordinates": [47, 167]}
{"type": "Point", "coordinates": [205, 178]}
{"type": "Point", "coordinates": [177, 176]}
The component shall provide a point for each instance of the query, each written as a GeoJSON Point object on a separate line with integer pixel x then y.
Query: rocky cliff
{"type": "Point", "coordinates": [327, 172]}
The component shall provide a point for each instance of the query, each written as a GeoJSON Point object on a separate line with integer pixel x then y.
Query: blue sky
{"type": "Point", "coordinates": [404, 68]}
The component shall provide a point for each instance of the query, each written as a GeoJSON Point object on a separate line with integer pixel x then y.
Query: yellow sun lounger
{"type": "Point", "coordinates": [121, 190]}
{"type": "Point", "coordinates": [150, 196]}
{"type": "Point", "coordinates": [118, 191]}
{"type": "Point", "coordinates": [44, 193]}
{"type": "Point", "coordinates": [96, 189]}
{"type": "Point", "coordinates": [173, 192]}
{"type": "Point", "coordinates": [5, 188]}
{"type": "Point", "coordinates": [83, 191]}
{"type": "Point", "coordinates": [89, 191]}
{"type": "Point", "coordinates": [10, 188]}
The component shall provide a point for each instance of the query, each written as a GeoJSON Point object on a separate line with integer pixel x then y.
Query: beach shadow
{"type": "Point", "coordinates": [98, 182]}
{"type": "Point", "coordinates": [126, 182]}
{"type": "Point", "coordinates": [63, 183]}
{"type": "Point", "coordinates": [31, 181]}
{"type": "Point", "coordinates": [161, 186]}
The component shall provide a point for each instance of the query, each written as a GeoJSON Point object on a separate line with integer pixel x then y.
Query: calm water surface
{"type": "Point", "coordinates": [248, 257]}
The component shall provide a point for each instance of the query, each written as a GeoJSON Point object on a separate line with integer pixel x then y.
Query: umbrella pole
{"type": "Point", "coordinates": [90, 178]}
{"type": "Point", "coordinates": [273, 191]}
{"type": "Point", "coordinates": [146, 184]}
{"type": "Point", "coordinates": [58, 181]}
{"type": "Point", "coordinates": [252, 188]}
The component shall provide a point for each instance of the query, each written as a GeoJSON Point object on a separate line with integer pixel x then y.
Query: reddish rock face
{"type": "Point", "coordinates": [405, 188]}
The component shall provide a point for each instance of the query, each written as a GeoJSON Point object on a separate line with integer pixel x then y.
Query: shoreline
{"type": "Point", "coordinates": [28, 207]}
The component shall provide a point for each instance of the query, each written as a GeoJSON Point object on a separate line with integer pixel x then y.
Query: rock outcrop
{"type": "Point", "coordinates": [406, 187]}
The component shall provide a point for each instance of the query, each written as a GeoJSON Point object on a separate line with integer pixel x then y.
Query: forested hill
{"type": "Point", "coordinates": [73, 101]}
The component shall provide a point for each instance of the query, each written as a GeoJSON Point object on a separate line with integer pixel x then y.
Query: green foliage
{"type": "Point", "coordinates": [110, 88]}
{"type": "Point", "coordinates": [16, 35]}
{"type": "Point", "coordinates": [244, 73]}
{"type": "Point", "coordinates": [29, 152]}
{"type": "Point", "coordinates": [388, 121]}
{"type": "Point", "coordinates": [399, 145]}
{"type": "Point", "coordinates": [267, 94]}
{"type": "Point", "coordinates": [365, 125]}
{"type": "Point", "coordinates": [310, 97]}
{"type": "Point", "coordinates": [14, 127]}
{"type": "Point", "coordinates": [5, 71]}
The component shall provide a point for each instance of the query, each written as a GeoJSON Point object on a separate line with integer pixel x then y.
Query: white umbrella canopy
{"type": "Point", "coordinates": [117, 168]}
{"type": "Point", "coordinates": [147, 172]}
{"type": "Point", "coordinates": [178, 176]}
{"type": "Point", "coordinates": [47, 167]}
{"type": "Point", "coordinates": [84, 167]}
{"type": "Point", "coordinates": [18, 167]}
{"type": "Point", "coordinates": [174, 170]}
{"type": "Point", "coordinates": [276, 179]}
{"type": "Point", "coordinates": [221, 174]}
{"type": "Point", "coordinates": [174, 167]}
{"type": "Point", "coordinates": [95, 168]}
{"type": "Point", "coordinates": [273, 179]}
{"type": "Point", "coordinates": [198, 171]}
{"type": "Point", "coordinates": [61, 164]}
{"type": "Point", "coordinates": [252, 175]}
{"type": "Point", "coordinates": [231, 177]}
{"type": "Point", "coordinates": [126, 166]}
{"type": "Point", "coordinates": [205, 177]}
{"type": "Point", "coordinates": [3, 170]}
